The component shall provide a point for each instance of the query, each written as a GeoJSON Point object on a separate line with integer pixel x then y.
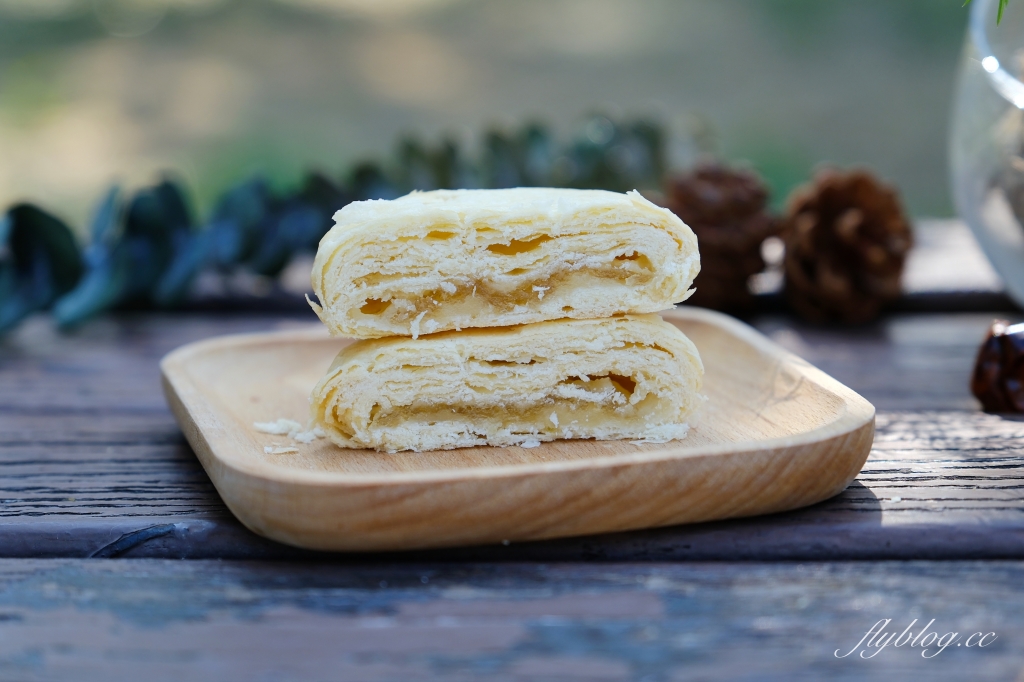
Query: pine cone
{"type": "Point", "coordinates": [726, 210]}
{"type": "Point", "coordinates": [998, 379]}
{"type": "Point", "coordinates": [846, 240]}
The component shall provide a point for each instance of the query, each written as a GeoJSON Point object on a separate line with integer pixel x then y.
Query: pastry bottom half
{"type": "Point", "coordinates": [631, 376]}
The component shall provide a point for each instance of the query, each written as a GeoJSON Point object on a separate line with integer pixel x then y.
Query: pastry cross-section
{"type": "Point", "coordinates": [632, 376]}
{"type": "Point", "coordinates": [455, 259]}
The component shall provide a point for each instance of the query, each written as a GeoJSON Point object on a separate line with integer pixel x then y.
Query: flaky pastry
{"type": "Point", "coordinates": [455, 259]}
{"type": "Point", "coordinates": [631, 376]}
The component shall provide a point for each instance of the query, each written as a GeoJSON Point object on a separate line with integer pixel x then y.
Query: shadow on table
{"type": "Point", "coordinates": [843, 527]}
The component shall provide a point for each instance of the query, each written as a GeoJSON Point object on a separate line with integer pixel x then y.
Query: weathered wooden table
{"type": "Point", "coordinates": [93, 466]}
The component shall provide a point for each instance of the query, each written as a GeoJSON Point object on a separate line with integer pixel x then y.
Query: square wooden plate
{"type": "Point", "coordinates": [775, 434]}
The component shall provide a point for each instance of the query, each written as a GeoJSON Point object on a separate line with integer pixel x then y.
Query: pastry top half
{"type": "Point", "coordinates": [621, 377]}
{"type": "Point", "coordinates": [453, 259]}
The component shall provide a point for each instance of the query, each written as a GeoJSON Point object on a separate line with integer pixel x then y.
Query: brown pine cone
{"type": "Point", "coordinates": [998, 379]}
{"type": "Point", "coordinates": [846, 240]}
{"type": "Point", "coordinates": [725, 208]}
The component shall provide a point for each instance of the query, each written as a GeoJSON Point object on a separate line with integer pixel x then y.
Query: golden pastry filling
{"type": "Point", "coordinates": [572, 409]}
{"type": "Point", "coordinates": [415, 301]}
{"type": "Point", "coordinates": [626, 377]}
{"type": "Point", "coordinates": [437, 261]}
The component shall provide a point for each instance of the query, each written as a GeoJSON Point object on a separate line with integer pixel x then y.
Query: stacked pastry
{"type": "Point", "coordinates": [505, 317]}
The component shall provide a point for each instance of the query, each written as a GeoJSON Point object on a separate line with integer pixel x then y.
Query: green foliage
{"type": "Point", "coordinates": [147, 250]}
{"type": "Point", "coordinates": [39, 261]}
{"type": "Point", "coordinates": [133, 244]}
{"type": "Point", "coordinates": [999, 14]}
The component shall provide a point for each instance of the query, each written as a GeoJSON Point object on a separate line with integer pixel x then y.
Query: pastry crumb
{"type": "Point", "coordinates": [291, 428]}
{"type": "Point", "coordinates": [663, 434]}
{"type": "Point", "coordinates": [530, 444]}
{"type": "Point", "coordinates": [415, 326]}
{"type": "Point", "coordinates": [309, 436]}
{"type": "Point", "coordinates": [280, 450]}
{"type": "Point", "coordinates": [281, 427]}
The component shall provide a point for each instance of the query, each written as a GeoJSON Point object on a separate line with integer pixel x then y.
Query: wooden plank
{"type": "Point", "coordinates": [902, 362]}
{"type": "Point", "coordinates": [80, 467]}
{"type": "Point", "coordinates": [167, 620]}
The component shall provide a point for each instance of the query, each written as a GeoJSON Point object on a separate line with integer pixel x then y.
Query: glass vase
{"type": "Point", "coordinates": [987, 138]}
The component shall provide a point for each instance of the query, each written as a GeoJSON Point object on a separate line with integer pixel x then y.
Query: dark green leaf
{"type": "Point", "coordinates": [39, 261]}
{"type": "Point", "coordinates": [234, 233]}
{"type": "Point", "coordinates": [536, 149]}
{"type": "Point", "coordinates": [414, 171]}
{"type": "Point", "coordinates": [318, 190]}
{"type": "Point", "coordinates": [499, 165]}
{"type": "Point", "coordinates": [999, 13]}
{"type": "Point", "coordinates": [100, 289]}
{"type": "Point", "coordinates": [368, 181]}
{"type": "Point", "coordinates": [297, 227]}
{"type": "Point", "coordinates": [132, 249]}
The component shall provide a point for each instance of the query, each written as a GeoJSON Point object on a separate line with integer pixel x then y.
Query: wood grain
{"type": "Point", "coordinates": [776, 434]}
{"type": "Point", "coordinates": [81, 466]}
{"type": "Point", "coordinates": [93, 464]}
{"type": "Point", "coordinates": [201, 621]}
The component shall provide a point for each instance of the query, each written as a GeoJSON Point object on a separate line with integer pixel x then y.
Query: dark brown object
{"type": "Point", "coordinates": [725, 207]}
{"type": "Point", "coordinates": [846, 241]}
{"type": "Point", "coordinates": [998, 380]}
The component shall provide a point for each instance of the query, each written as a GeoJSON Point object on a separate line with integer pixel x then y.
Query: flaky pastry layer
{"type": "Point", "coordinates": [632, 376]}
{"type": "Point", "coordinates": [455, 259]}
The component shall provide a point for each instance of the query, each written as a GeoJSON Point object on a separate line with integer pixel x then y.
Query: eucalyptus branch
{"type": "Point", "coordinates": [148, 249]}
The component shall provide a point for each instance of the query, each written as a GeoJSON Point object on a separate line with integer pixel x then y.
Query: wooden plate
{"type": "Point", "coordinates": [776, 434]}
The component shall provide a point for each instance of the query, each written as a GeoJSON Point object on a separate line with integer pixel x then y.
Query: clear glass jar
{"type": "Point", "coordinates": [987, 138]}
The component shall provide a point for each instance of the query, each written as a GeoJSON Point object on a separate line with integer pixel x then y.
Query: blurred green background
{"type": "Point", "coordinates": [93, 91]}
